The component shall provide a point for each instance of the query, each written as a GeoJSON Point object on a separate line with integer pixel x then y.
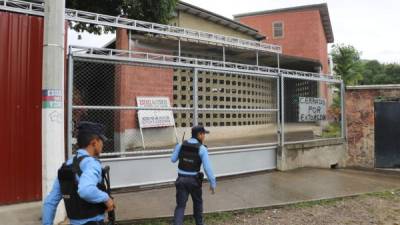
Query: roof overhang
{"type": "Point", "coordinates": [215, 18]}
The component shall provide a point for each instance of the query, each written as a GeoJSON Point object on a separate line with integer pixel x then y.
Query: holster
{"type": "Point", "coordinates": [200, 177]}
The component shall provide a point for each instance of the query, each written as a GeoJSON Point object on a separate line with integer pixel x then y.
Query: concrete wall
{"type": "Point", "coordinates": [187, 20]}
{"type": "Point", "coordinates": [360, 116]}
{"type": "Point", "coordinates": [320, 154]}
{"type": "Point", "coordinates": [303, 33]}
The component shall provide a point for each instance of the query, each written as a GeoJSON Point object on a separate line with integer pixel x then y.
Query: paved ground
{"type": "Point", "coordinates": [260, 190]}
{"type": "Point", "coordinates": [257, 190]}
{"type": "Point", "coordinates": [26, 214]}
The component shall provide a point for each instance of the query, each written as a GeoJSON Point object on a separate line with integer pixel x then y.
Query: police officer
{"type": "Point", "coordinates": [191, 154]}
{"type": "Point", "coordinates": [83, 192]}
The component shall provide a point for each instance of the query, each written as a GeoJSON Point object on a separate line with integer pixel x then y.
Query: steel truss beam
{"type": "Point", "coordinates": [115, 21]}
{"type": "Point", "coordinates": [202, 64]}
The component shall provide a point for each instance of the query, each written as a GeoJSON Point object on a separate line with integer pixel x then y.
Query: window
{"type": "Point", "coordinates": [277, 28]}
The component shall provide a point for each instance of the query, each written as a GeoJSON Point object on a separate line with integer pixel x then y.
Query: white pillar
{"type": "Point", "coordinates": [53, 143]}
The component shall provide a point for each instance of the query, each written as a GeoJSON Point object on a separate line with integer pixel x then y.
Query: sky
{"type": "Point", "coordinates": [371, 26]}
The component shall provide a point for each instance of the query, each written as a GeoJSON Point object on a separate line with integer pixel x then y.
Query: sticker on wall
{"type": "Point", "coordinates": [52, 99]}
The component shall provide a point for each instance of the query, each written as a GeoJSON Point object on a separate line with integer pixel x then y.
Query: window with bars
{"type": "Point", "coordinates": [277, 28]}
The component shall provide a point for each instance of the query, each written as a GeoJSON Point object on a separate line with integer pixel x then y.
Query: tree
{"type": "Point", "coordinates": [392, 72]}
{"type": "Point", "coordinates": [373, 72]}
{"type": "Point", "coordinates": [377, 73]}
{"type": "Point", "coordinates": [158, 11]}
{"type": "Point", "coordinates": [347, 63]}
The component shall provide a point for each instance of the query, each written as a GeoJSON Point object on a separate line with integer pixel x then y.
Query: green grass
{"type": "Point", "coordinates": [309, 204]}
{"type": "Point", "coordinates": [388, 195]}
{"type": "Point", "coordinates": [331, 131]}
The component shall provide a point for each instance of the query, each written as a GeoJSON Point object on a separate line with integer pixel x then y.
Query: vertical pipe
{"type": "Point", "coordinates": [195, 99]}
{"type": "Point", "coordinates": [179, 49]}
{"type": "Point", "coordinates": [278, 101]}
{"type": "Point", "coordinates": [257, 58]}
{"type": "Point", "coordinates": [283, 111]}
{"type": "Point", "coordinates": [342, 109]}
{"type": "Point", "coordinates": [278, 105]}
{"type": "Point", "coordinates": [70, 101]}
{"type": "Point", "coordinates": [223, 54]}
{"type": "Point", "coordinates": [282, 106]}
{"type": "Point", "coordinates": [129, 44]}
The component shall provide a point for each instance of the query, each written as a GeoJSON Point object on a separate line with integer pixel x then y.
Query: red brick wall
{"type": "Point", "coordinates": [360, 117]}
{"type": "Point", "coordinates": [303, 33]}
{"type": "Point", "coordinates": [360, 127]}
{"type": "Point", "coordinates": [132, 81]}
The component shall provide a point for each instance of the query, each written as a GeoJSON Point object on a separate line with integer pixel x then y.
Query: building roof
{"type": "Point", "coordinates": [213, 17]}
{"type": "Point", "coordinates": [323, 10]}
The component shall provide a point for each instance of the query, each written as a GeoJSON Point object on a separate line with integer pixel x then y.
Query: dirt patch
{"type": "Point", "coordinates": [378, 208]}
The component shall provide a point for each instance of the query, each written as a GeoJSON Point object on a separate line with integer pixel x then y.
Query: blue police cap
{"type": "Point", "coordinates": [92, 128]}
{"type": "Point", "coordinates": [199, 129]}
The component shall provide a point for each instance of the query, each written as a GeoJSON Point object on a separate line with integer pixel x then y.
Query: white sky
{"type": "Point", "coordinates": [371, 26]}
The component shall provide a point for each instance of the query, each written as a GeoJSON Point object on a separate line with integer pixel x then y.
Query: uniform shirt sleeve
{"type": "Point", "coordinates": [207, 166]}
{"type": "Point", "coordinates": [50, 204]}
{"type": "Point", "coordinates": [175, 154]}
{"type": "Point", "coordinates": [90, 177]}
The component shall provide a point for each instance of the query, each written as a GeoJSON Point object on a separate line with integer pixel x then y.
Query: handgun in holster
{"type": "Point", "coordinates": [200, 177]}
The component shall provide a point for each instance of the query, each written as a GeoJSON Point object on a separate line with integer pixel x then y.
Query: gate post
{"type": "Point", "coordinates": [70, 101]}
{"type": "Point", "coordinates": [53, 141]}
{"type": "Point", "coordinates": [342, 110]}
{"type": "Point", "coordinates": [195, 99]}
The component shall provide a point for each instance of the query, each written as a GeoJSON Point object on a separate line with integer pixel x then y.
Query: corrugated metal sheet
{"type": "Point", "coordinates": [21, 42]}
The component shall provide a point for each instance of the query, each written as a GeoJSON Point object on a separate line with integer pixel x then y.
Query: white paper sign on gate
{"type": "Point", "coordinates": [155, 118]}
{"type": "Point", "coordinates": [312, 109]}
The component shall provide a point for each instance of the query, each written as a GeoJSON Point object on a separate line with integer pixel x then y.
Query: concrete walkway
{"type": "Point", "coordinates": [260, 190]}
{"type": "Point", "coordinates": [249, 191]}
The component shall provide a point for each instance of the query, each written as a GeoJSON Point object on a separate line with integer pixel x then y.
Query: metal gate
{"type": "Point", "coordinates": [239, 108]}
{"type": "Point", "coordinates": [21, 43]}
{"type": "Point", "coordinates": [243, 107]}
{"type": "Point", "coordinates": [387, 134]}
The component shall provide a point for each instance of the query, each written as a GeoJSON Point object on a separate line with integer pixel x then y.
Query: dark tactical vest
{"type": "Point", "coordinates": [76, 207]}
{"type": "Point", "coordinates": [189, 159]}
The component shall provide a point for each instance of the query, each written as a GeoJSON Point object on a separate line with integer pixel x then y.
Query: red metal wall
{"type": "Point", "coordinates": [21, 43]}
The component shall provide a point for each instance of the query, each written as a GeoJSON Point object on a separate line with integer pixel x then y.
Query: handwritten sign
{"type": "Point", "coordinates": [312, 109]}
{"type": "Point", "coordinates": [155, 118]}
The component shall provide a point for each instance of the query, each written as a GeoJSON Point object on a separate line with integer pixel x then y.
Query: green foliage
{"type": "Point", "coordinates": [347, 63]}
{"type": "Point", "coordinates": [331, 131]}
{"type": "Point", "coordinates": [365, 72]}
{"type": "Point", "coordinates": [158, 11]}
{"type": "Point", "coordinates": [377, 73]}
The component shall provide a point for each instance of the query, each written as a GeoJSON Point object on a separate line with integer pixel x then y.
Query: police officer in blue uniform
{"type": "Point", "coordinates": [191, 155]}
{"type": "Point", "coordinates": [80, 182]}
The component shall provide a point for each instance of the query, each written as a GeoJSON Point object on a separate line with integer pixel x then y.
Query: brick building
{"type": "Point", "coordinates": [216, 90]}
{"type": "Point", "coordinates": [303, 31]}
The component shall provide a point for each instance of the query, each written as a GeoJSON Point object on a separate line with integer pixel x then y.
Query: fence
{"type": "Point", "coordinates": [147, 109]}
{"type": "Point", "coordinates": [149, 102]}
{"type": "Point", "coordinates": [312, 110]}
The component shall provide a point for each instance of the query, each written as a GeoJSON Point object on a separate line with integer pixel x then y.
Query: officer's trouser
{"type": "Point", "coordinates": [186, 185]}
